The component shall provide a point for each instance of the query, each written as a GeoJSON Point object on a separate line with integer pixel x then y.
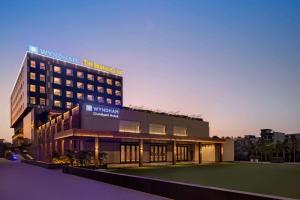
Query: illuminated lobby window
{"type": "Point", "coordinates": [118, 83]}
{"type": "Point", "coordinates": [57, 69]}
{"type": "Point", "coordinates": [80, 96]}
{"type": "Point", "coordinates": [90, 87]}
{"type": "Point", "coordinates": [57, 103]}
{"type": "Point", "coordinates": [100, 79]}
{"type": "Point", "coordinates": [100, 89]}
{"type": "Point", "coordinates": [69, 72]}
{"type": "Point", "coordinates": [100, 99]}
{"type": "Point", "coordinates": [42, 101]}
{"type": "Point", "coordinates": [32, 100]}
{"type": "Point", "coordinates": [42, 66]}
{"type": "Point", "coordinates": [69, 83]}
{"type": "Point", "coordinates": [32, 88]}
{"type": "Point", "coordinates": [42, 89]}
{"type": "Point", "coordinates": [182, 153]}
{"type": "Point", "coordinates": [90, 77]}
{"type": "Point", "coordinates": [157, 129]}
{"type": "Point", "coordinates": [109, 81]}
{"type": "Point", "coordinates": [80, 74]}
{"type": "Point", "coordinates": [118, 93]}
{"type": "Point", "coordinates": [129, 126]}
{"type": "Point", "coordinates": [32, 75]}
{"type": "Point", "coordinates": [57, 80]}
{"type": "Point", "coordinates": [180, 131]}
{"type": "Point", "coordinates": [158, 153]}
{"type": "Point", "coordinates": [117, 102]}
{"type": "Point", "coordinates": [57, 92]}
{"type": "Point", "coordinates": [42, 77]}
{"type": "Point", "coordinates": [32, 64]}
{"type": "Point", "coordinates": [69, 94]}
{"type": "Point", "coordinates": [109, 91]}
{"type": "Point", "coordinates": [129, 153]}
{"type": "Point", "coordinates": [80, 85]}
{"type": "Point", "coordinates": [109, 101]}
{"type": "Point", "coordinates": [69, 105]}
{"type": "Point", "coordinates": [90, 97]}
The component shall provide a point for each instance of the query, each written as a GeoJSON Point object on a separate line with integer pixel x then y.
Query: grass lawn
{"type": "Point", "coordinates": [275, 179]}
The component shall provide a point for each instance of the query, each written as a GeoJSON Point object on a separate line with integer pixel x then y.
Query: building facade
{"type": "Point", "coordinates": [58, 105]}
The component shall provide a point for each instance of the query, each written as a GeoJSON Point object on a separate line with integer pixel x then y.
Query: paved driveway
{"type": "Point", "coordinates": [27, 182]}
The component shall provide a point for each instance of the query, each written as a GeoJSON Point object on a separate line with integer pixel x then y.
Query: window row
{"type": "Point", "coordinates": [91, 77]}
{"type": "Point", "coordinates": [33, 65]}
{"type": "Point", "coordinates": [32, 76]}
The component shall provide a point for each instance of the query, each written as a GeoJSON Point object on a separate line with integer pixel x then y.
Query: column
{"type": "Point", "coordinates": [62, 147]}
{"type": "Point", "coordinates": [71, 145]}
{"type": "Point", "coordinates": [81, 145]}
{"type": "Point", "coordinates": [141, 152]}
{"type": "Point", "coordinates": [221, 152]}
{"type": "Point", "coordinates": [55, 146]}
{"type": "Point", "coordinates": [96, 151]}
{"type": "Point", "coordinates": [174, 154]}
{"type": "Point", "coordinates": [200, 152]}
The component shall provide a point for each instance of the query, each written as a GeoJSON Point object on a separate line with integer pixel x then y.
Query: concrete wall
{"type": "Point", "coordinates": [228, 150]}
{"type": "Point", "coordinates": [194, 127]}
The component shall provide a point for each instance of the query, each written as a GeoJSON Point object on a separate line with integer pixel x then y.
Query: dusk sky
{"type": "Point", "coordinates": [237, 63]}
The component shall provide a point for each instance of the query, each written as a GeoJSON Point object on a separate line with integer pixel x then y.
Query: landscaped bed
{"type": "Point", "coordinates": [274, 179]}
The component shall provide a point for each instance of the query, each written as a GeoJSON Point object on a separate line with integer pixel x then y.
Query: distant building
{"type": "Point", "coordinates": [2, 147]}
{"type": "Point", "coordinates": [269, 136]}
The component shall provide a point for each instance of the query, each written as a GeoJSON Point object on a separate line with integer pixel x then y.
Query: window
{"type": "Point", "coordinates": [57, 103]}
{"type": "Point", "coordinates": [100, 89]}
{"type": "Point", "coordinates": [42, 101]}
{"type": "Point", "coordinates": [117, 102]}
{"type": "Point", "coordinates": [69, 105]}
{"type": "Point", "coordinates": [90, 97]}
{"type": "Point", "coordinates": [80, 85]}
{"type": "Point", "coordinates": [158, 153]}
{"type": "Point", "coordinates": [57, 80]}
{"type": "Point", "coordinates": [181, 131]}
{"type": "Point", "coordinates": [100, 79]}
{"type": "Point", "coordinates": [109, 81]}
{"type": "Point", "coordinates": [108, 100]}
{"type": "Point", "coordinates": [109, 91]}
{"type": "Point", "coordinates": [118, 83]}
{"type": "Point", "coordinates": [57, 69]}
{"type": "Point", "coordinates": [80, 74]}
{"type": "Point", "coordinates": [69, 83]}
{"type": "Point", "coordinates": [32, 88]}
{"type": "Point", "coordinates": [32, 75]}
{"type": "Point", "coordinates": [118, 93]}
{"type": "Point", "coordinates": [69, 94]}
{"type": "Point", "coordinates": [80, 96]}
{"type": "Point", "coordinates": [100, 99]}
{"type": "Point", "coordinates": [129, 153]}
{"type": "Point", "coordinates": [90, 77]}
{"type": "Point", "coordinates": [42, 89]}
{"type": "Point", "coordinates": [69, 72]}
{"type": "Point", "coordinates": [90, 87]}
{"type": "Point", "coordinates": [157, 129]}
{"type": "Point", "coordinates": [32, 100]}
{"type": "Point", "coordinates": [57, 92]}
{"type": "Point", "coordinates": [32, 64]}
{"type": "Point", "coordinates": [182, 153]}
{"type": "Point", "coordinates": [42, 66]}
{"type": "Point", "coordinates": [129, 126]}
{"type": "Point", "coordinates": [42, 77]}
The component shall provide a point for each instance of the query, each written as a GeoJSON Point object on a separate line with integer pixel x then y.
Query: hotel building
{"type": "Point", "coordinates": [60, 104]}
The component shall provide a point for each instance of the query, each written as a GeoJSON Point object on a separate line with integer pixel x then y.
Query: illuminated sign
{"type": "Point", "coordinates": [52, 54]}
{"type": "Point", "coordinates": [101, 67]}
{"type": "Point", "coordinates": [103, 111]}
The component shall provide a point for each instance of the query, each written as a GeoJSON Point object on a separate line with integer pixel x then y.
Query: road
{"type": "Point", "coordinates": [27, 182]}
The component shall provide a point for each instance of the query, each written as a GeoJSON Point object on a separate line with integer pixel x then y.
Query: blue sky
{"type": "Point", "coordinates": [236, 63]}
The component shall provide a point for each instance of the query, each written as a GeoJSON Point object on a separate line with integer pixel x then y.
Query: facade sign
{"type": "Point", "coordinates": [102, 111]}
{"type": "Point", "coordinates": [92, 64]}
{"type": "Point", "coordinates": [52, 54]}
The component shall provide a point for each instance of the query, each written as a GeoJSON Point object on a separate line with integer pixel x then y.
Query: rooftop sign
{"type": "Point", "coordinates": [102, 111]}
{"type": "Point", "coordinates": [85, 62]}
{"type": "Point", "coordinates": [52, 54]}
